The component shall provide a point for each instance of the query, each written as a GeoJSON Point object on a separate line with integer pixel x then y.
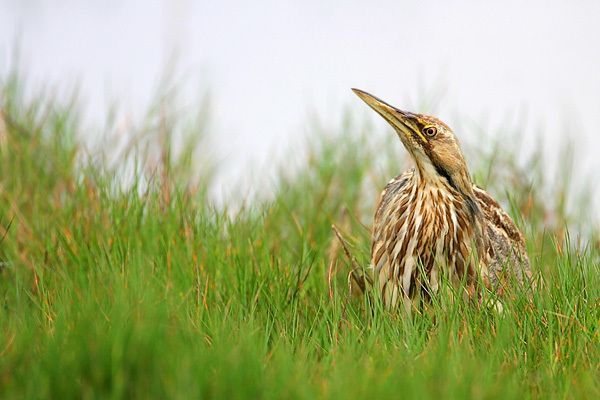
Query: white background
{"type": "Point", "coordinates": [269, 65]}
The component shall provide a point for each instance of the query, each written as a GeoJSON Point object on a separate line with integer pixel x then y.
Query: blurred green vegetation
{"type": "Point", "coordinates": [142, 287]}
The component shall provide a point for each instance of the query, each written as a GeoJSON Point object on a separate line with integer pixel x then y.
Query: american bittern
{"type": "Point", "coordinates": [432, 220]}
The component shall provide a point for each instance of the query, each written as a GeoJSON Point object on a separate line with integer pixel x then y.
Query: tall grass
{"type": "Point", "coordinates": [143, 288]}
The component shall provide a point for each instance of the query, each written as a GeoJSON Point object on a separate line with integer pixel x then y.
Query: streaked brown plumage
{"type": "Point", "coordinates": [433, 221]}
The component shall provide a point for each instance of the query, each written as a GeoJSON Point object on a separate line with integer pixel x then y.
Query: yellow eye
{"type": "Point", "coordinates": [429, 131]}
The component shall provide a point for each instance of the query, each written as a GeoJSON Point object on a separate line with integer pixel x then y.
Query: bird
{"type": "Point", "coordinates": [432, 221]}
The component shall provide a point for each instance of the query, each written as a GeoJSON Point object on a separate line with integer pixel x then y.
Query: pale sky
{"type": "Point", "coordinates": [270, 64]}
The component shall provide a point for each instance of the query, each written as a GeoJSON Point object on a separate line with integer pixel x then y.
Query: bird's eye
{"type": "Point", "coordinates": [430, 131]}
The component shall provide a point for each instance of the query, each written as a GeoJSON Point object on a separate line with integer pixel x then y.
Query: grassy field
{"type": "Point", "coordinates": [120, 278]}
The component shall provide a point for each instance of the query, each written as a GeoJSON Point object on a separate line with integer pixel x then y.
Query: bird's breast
{"type": "Point", "coordinates": [420, 232]}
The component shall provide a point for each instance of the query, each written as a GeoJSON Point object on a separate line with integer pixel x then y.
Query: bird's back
{"type": "Point", "coordinates": [506, 254]}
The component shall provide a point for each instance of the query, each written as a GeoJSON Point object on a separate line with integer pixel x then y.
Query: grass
{"type": "Point", "coordinates": [144, 288]}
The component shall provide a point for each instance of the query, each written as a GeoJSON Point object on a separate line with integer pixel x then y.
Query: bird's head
{"type": "Point", "coordinates": [430, 142]}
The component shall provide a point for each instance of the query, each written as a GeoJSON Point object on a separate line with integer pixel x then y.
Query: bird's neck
{"type": "Point", "coordinates": [459, 185]}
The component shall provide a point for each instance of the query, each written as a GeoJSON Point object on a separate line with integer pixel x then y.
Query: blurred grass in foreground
{"type": "Point", "coordinates": [145, 289]}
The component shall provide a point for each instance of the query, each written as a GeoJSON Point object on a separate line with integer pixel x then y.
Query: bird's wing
{"type": "Point", "coordinates": [495, 215]}
{"type": "Point", "coordinates": [506, 245]}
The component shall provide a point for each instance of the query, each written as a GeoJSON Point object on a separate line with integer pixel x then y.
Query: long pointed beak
{"type": "Point", "coordinates": [402, 121]}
